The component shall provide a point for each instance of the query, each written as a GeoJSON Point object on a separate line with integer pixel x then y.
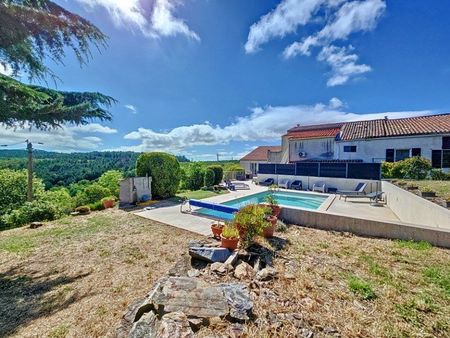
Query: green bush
{"type": "Point", "coordinates": [36, 211]}
{"type": "Point", "coordinates": [60, 199]}
{"type": "Point", "coordinates": [439, 175]}
{"type": "Point", "coordinates": [110, 180]}
{"type": "Point", "coordinates": [91, 194]}
{"type": "Point", "coordinates": [195, 177]}
{"type": "Point", "coordinates": [13, 189]}
{"type": "Point", "coordinates": [386, 169]}
{"type": "Point", "coordinates": [416, 168]}
{"type": "Point", "coordinates": [164, 170]}
{"type": "Point", "coordinates": [218, 173]}
{"type": "Point", "coordinates": [96, 206]}
{"type": "Point", "coordinates": [209, 178]}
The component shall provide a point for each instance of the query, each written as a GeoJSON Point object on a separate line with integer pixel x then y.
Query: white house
{"type": "Point", "coordinates": [365, 141]}
{"type": "Point", "coordinates": [251, 161]}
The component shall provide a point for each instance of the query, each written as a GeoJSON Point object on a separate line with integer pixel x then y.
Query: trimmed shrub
{"type": "Point", "coordinates": [416, 168]}
{"type": "Point", "coordinates": [386, 169]}
{"type": "Point", "coordinates": [91, 194]}
{"type": "Point", "coordinates": [218, 173]}
{"type": "Point", "coordinates": [13, 189]}
{"type": "Point", "coordinates": [164, 170]}
{"type": "Point", "coordinates": [60, 199]}
{"type": "Point", "coordinates": [439, 175]}
{"type": "Point", "coordinates": [110, 180]}
{"type": "Point", "coordinates": [209, 178]}
{"type": "Point", "coordinates": [195, 177]}
{"type": "Point", "coordinates": [96, 206]}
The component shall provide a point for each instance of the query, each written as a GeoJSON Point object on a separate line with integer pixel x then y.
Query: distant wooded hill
{"type": "Point", "coordinates": [57, 169]}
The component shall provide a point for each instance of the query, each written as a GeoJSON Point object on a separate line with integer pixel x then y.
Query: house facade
{"type": "Point", "coordinates": [370, 141]}
{"type": "Point", "coordinates": [251, 161]}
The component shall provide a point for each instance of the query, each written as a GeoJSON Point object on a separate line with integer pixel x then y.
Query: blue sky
{"type": "Point", "coordinates": [198, 77]}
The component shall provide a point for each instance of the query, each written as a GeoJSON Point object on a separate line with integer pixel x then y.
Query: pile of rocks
{"type": "Point", "coordinates": [211, 284]}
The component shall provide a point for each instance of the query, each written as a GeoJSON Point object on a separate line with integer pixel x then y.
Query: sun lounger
{"type": "Point", "coordinates": [296, 185]}
{"type": "Point", "coordinates": [371, 196]}
{"type": "Point", "coordinates": [240, 186]}
{"type": "Point", "coordinates": [284, 183]}
{"type": "Point", "coordinates": [359, 190]}
{"type": "Point", "coordinates": [267, 182]}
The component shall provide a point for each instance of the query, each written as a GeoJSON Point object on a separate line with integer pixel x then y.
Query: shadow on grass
{"type": "Point", "coordinates": [26, 297]}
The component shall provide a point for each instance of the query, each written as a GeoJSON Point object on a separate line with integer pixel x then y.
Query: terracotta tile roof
{"type": "Point", "coordinates": [421, 125]}
{"type": "Point", "coordinates": [260, 153]}
{"type": "Point", "coordinates": [313, 131]}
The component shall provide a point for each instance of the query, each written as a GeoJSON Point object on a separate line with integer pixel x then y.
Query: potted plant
{"type": "Point", "coordinates": [217, 229]}
{"type": "Point", "coordinates": [108, 202]}
{"type": "Point", "coordinates": [273, 204]}
{"type": "Point", "coordinates": [427, 192]}
{"type": "Point", "coordinates": [270, 230]}
{"type": "Point", "coordinates": [251, 221]}
{"type": "Point", "coordinates": [230, 236]}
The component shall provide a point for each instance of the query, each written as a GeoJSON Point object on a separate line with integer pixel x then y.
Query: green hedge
{"type": "Point", "coordinates": [218, 173]}
{"type": "Point", "coordinates": [209, 178]}
{"type": "Point", "coordinates": [164, 170]}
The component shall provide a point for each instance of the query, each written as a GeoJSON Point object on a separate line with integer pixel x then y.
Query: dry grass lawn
{"type": "Point", "coordinates": [361, 287]}
{"type": "Point", "coordinates": [75, 277]}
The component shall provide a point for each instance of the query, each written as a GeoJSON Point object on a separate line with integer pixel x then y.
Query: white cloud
{"type": "Point", "coordinates": [158, 21]}
{"type": "Point", "coordinates": [5, 69]}
{"type": "Point", "coordinates": [284, 19]}
{"type": "Point", "coordinates": [342, 18]}
{"type": "Point", "coordinates": [65, 139]}
{"type": "Point", "coordinates": [131, 108]}
{"type": "Point", "coordinates": [343, 65]}
{"type": "Point", "coordinates": [262, 124]}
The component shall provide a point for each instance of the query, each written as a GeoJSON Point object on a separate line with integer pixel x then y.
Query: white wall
{"type": "Point", "coordinates": [411, 208]}
{"type": "Point", "coordinates": [330, 182]}
{"type": "Point", "coordinates": [247, 165]}
{"type": "Point", "coordinates": [370, 149]}
{"type": "Point", "coordinates": [316, 148]}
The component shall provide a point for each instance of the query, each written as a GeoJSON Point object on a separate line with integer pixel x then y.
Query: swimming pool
{"type": "Point", "coordinates": [284, 198]}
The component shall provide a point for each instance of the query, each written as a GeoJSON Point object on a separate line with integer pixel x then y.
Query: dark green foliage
{"type": "Point", "coordinates": [24, 105]}
{"type": "Point", "coordinates": [91, 194]}
{"type": "Point", "coordinates": [439, 175]}
{"type": "Point", "coordinates": [218, 173]}
{"type": "Point", "coordinates": [195, 177]}
{"type": "Point", "coordinates": [209, 178]}
{"type": "Point", "coordinates": [164, 170]}
{"type": "Point", "coordinates": [58, 169]}
{"type": "Point", "coordinates": [33, 30]}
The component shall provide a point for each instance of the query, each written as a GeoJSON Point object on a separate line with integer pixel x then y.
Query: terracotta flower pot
{"type": "Point", "coordinates": [276, 210]}
{"type": "Point", "coordinates": [269, 231]}
{"type": "Point", "coordinates": [229, 243]}
{"type": "Point", "coordinates": [108, 204]}
{"type": "Point", "coordinates": [216, 230]}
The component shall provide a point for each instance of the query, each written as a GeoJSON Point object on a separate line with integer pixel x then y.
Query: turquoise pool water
{"type": "Point", "coordinates": [284, 198]}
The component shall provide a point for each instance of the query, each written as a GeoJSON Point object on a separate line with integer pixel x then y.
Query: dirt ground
{"type": "Point", "coordinates": [75, 277]}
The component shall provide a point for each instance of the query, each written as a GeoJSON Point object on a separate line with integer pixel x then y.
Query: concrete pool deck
{"type": "Point", "coordinates": [169, 212]}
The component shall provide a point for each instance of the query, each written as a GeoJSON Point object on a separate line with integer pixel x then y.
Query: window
{"type": "Point", "coordinates": [446, 142]}
{"type": "Point", "coordinates": [401, 154]}
{"type": "Point", "coordinates": [436, 158]}
{"type": "Point", "coordinates": [390, 155]}
{"type": "Point", "coordinates": [445, 158]}
{"type": "Point", "coordinates": [349, 149]}
{"type": "Point", "coordinates": [416, 152]}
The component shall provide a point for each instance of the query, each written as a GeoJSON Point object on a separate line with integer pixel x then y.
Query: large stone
{"type": "Point", "coordinates": [135, 309]}
{"type": "Point", "coordinates": [192, 296]}
{"type": "Point", "coordinates": [238, 299]}
{"type": "Point", "coordinates": [210, 255]}
{"type": "Point", "coordinates": [266, 274]}
{"type": "Point", "coordinates": [244, 271]}
{"type": "Point", "coordinates": [173, 325]}
{"type": "Point", "coordinates": [181, 267]}
{"type": "Point", "coordinates": [146, 327]}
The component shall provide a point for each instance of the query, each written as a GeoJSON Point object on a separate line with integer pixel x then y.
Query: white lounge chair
{"type": "Point", "coordinates": [319, 187]}
{"type": "Point", "coordinates": [284, 183]}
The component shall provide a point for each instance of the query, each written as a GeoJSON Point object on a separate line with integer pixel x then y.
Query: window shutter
{"type": "Point", "coordinates": [446, 142]}
{"type": "Point", "coordinates": [416, 152]}
{"type": "Point", "coordinates": [436, 158]}
{"type": "Point", "coordinates": [389, 155]}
